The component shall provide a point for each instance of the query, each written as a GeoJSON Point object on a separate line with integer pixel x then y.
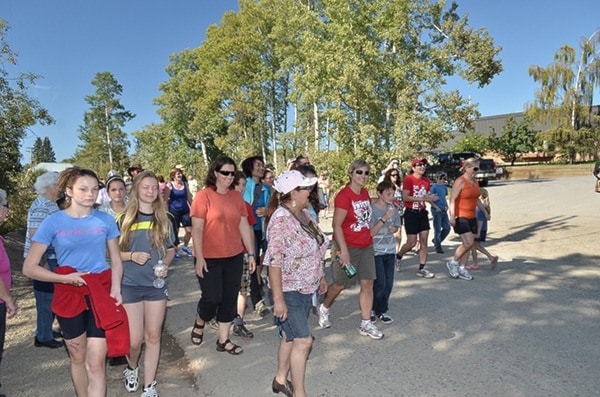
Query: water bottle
{"type": "Point", "coordinates": [159, 281]}
{"type": "Point", "coordinates": [349, 269]}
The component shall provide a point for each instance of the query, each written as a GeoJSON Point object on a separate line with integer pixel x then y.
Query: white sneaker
{"type": "Point", "coordinates": [324, 317]}
{"type": "Point", "coordinates": [464, 274]}
{"type": "Point", "coordinates": [370, 330]}
{"type": "Point", "coordinates": [150, 391]}
{"type": "Point", "coordinates": [452, 266]}
{"type": "Point", "coordinates": [131, 379]}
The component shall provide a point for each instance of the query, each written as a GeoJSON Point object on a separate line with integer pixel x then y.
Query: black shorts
{"type": "Point", "coordinates": [415, 221]}
{"type": "Point", "coordinates": [83, 323]}
{"type": "Point", "coordinates": [465, 225]}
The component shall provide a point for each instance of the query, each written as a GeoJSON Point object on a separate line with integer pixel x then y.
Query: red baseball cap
{"type": "Point", "coordinates": [416, 161]}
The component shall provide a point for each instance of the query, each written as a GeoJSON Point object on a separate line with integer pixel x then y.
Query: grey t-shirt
{"type": "Point", "coordinates": [139, 241]}
{"type": "Point", "coordinates": [384, 241]}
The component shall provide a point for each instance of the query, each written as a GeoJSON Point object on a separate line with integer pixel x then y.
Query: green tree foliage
{"type": "Point", "coordinates": [359, 77]}
{"type": "Point", "coordinates": [42, 151]}
{"type": "Point", "coordinates": [472, 142]}
{"type": "Point", "coordinates": [18, 112]}
{"type": "Point", "coordinates": [104, 144]}
{"type": "Point", "coordinates": [565, 98]}
{"type": "Point", "coordinates": [516, 139]}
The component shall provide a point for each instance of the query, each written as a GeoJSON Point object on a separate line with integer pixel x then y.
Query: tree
{"type": "Point", "coordinates": [42, 151]}
{"type": "Point", "coordinates": [516, 139]}
{"type": "Point", "coordinates": [18, 112]}
{"type": "Point", "coordinates": [472, 142]}
{"type": "Point", "coordinates": [565, 98]}
{"type": "Point", "coordinates": [104, 143]}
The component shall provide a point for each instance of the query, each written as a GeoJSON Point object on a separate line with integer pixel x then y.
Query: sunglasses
{"type": "Point", "coordinates": [393, 174]}
{"type": "Point", "coordinates": [226, 173]}
{"type": "Point", "coordinates": [442, 177]}
{"type": "Point", "coordinates": [305, 187]}
{"type": "Point", "coordinates": [475, 169]}
{"type": "Point", "coordinates": [360, 172]}
{"type": "Point", "coordinates": [279, 324]}
{"type": "Point", "coordinates": [419, 165]}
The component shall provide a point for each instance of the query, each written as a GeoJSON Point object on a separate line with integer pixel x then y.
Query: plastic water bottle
{"type": "Point", "coordinates": [159, 281]}
{"type": "Point", "coordinates": [349, 269]}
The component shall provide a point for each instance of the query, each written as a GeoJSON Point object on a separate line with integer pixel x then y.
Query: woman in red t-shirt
{"type": "Point", "coordinates": [353, 246]}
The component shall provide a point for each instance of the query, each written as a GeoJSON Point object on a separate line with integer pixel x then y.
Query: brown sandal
{"type": "Point", "coordinates": [196, 335]}
{"type": "Point", "coordinates": [235, 349]}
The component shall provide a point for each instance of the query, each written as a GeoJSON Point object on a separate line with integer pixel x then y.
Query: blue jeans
{"type": "Point", "coordinates": [441, 227]}
{"type": "Point", "coordinates": [382, 287]}
{"type": "Point", "coordinates": [45, 317]}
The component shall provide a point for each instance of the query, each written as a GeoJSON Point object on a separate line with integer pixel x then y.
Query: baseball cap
{"type": "Point", "coordinates": [290, 180]}
{"type": "Point", "coordinates": [418, 160]}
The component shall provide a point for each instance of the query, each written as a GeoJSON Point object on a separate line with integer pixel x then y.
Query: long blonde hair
{"type": "Point", "coordinates": [161, 224]}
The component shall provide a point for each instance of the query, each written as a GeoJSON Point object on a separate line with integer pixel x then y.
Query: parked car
{"type": "Point", "coordinates": [451, 163]}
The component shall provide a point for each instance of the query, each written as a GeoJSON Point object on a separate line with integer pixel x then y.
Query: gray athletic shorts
{"type": "Point", "coordinates": [134, 294]}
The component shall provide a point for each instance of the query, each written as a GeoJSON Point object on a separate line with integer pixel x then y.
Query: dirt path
{"type": "Point", "coordinates": [530, 328]}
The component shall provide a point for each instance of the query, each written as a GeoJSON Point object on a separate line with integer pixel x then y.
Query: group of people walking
{"type": "Point", "coordinates": [108, 264]}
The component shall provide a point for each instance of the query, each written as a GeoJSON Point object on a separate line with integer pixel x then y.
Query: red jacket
{"type": "Point", "coordinates": [69, 301]}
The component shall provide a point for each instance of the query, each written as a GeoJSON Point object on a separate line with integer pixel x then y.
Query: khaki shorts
{"type": "Point", "coordinates": [363, 259]}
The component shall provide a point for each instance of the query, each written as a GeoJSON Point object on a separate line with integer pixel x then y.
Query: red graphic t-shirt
{"type": "Point", "coordinates": [356, 224]}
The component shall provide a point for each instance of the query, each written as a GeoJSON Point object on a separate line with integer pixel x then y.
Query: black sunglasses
{"type": "Point", "coordinates": [305, 187]}
{"type": "Point", "coordinates": [475, 169]}
{"type": "Point", "coordinates": [226, 173]}
{"type": "Point", "coordinates": [393, 174]}
{"type": "Point", "coordinates": [360, 172]}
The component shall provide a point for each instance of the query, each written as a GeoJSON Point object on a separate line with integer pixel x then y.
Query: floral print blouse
{"type": "Point", "coordinates": [297, 253]}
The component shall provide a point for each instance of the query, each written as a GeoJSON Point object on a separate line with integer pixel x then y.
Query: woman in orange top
{"type": "Point", "coordinates": [220, 231]}
{"type": "Point", "coordinates": [463, 201]}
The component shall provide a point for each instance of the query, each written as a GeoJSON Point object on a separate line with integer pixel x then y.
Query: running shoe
{"type": "Point", "coordinates": [150, 391]}
{"type": "Point", "coordinates": [324, 317]}
{"type": "Point", "coordinates": [187, 251]}
{"type": "Point", "coordinates": [131, 379]}
{"type": "Point", "coordinates": [452, 268]}
{"type": "Point", "coordinates": [384, 318]}
{"type": "Point", "coordinates": [464, 274]}
{"type": "Point", "coordinates": [370, 330]}
{"type": "Point", "coordinates": [425, 273]}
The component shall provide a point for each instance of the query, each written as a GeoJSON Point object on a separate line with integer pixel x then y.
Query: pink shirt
{"type": "Point", "coordinates": [292, 249]}
{"type": "Point", "coordinates": [4, 266]}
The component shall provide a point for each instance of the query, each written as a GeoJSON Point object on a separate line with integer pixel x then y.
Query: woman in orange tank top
{"type": "Point", "coordinates": [463, 201]}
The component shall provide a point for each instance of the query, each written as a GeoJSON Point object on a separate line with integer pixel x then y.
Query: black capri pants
{"type": "Point", "coordinates": [220, 287]}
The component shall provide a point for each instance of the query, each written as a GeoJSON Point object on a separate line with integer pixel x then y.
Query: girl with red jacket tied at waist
{"type": "Point", "coordinates": [87, 294]}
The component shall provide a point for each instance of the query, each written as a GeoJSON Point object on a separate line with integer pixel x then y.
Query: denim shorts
{"type": "Point", "coordinates": [296, 324]}
{"type": "Point", "coordinates": [134, 294]}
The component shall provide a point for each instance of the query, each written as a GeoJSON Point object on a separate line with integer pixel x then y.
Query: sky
{"type": "Point", "coordinates": [69, 41]}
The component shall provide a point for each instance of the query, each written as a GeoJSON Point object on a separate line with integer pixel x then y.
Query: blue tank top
{"type": "Point", "coordinates": [178, 199]}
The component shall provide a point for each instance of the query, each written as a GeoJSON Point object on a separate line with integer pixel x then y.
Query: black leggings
{"type": "Point", "coordinates": [220, 287]}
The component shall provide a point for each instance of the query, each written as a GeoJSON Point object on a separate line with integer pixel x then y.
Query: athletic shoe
{"type": "Point", "coordinates": [370, 330]}
{"type": "Point", "coordinates": [439, 249]}
{"type": "Point", "coordinates": [242, 331]}
{"type": "Point", "coordinates": [373, 316]}
{"type": "Point", "coordinates": [177, 256]}
{"type": "Point", "coordinates": [464, 274]}
{"type": "Point", "coordinates": [425, 273]}
{"type": "Point", "coordinates": [398, 264]}
{"type": "Point", "coordinates": [131, 379]}
{"type": "Point", "coordinates": [384, 318]}
{"type": "Point", "coordinates": [452, 268]}
{"type": "Point", "coordinates": [261, 309]}
{"type": "Point", "coordinates": [494, 262]}
{"type": "Point", "coordinates": [150, 391]}
{"type": "Point", "coordinates": [187, 251]}
{"type": "Point", "coordinates": [324, 317]}
{"type": "Point", "coordinates": [472, 267]}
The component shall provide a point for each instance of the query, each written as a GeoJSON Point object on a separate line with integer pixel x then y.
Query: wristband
{"type": "Point", "coordinates": [381, 219]}
{"type": "Point", "coordinates": [252, 255]}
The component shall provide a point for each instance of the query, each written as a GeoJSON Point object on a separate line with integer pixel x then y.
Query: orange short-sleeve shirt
{"type": "Point", "coordinates": [222, 214]}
